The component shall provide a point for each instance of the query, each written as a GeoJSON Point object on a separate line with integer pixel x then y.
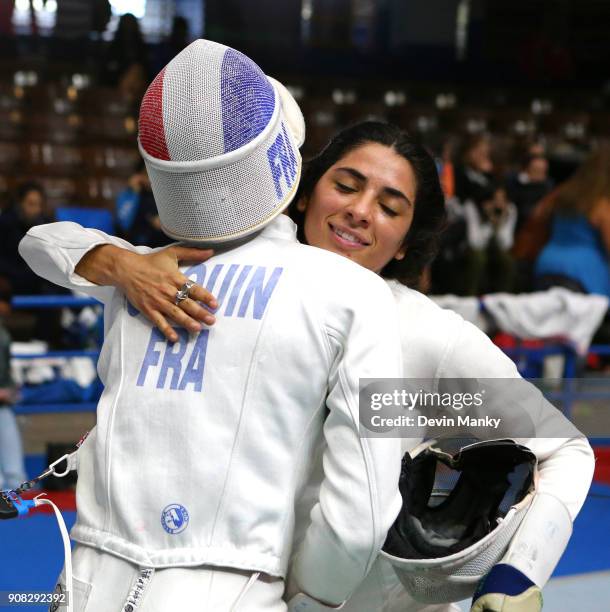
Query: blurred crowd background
{"type": "Point", "coordinates": [512, 100]}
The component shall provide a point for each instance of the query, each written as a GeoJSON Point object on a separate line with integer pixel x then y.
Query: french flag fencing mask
{"type": "Point", "coordinates": [220, 141]}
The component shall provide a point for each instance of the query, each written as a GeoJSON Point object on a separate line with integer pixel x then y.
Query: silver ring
{"type": "Point", "coordinates": [183, 292]}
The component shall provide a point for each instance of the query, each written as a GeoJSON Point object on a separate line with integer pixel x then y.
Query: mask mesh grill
{"type": "Point", "coordinates": [215, 101]}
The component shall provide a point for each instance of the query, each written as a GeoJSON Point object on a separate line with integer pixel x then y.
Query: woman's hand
{"type": "Point", "coordinates": [151, 282]}
{"type": "Point", "coordinates": [496, 212]}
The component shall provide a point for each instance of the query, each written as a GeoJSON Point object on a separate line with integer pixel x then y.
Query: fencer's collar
{"type": "Point", "coordinates": [281, 227]}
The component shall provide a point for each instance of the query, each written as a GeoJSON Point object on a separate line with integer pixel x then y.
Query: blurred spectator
{"type": "Point", "coordinates": [126, 64]}
{"type": "Point", "coordinates": [446, 168]}
{"type": "Point", "coordinates": [441, 274]}
{"type": "Point", "coordinates": [101, 12]}
{"type": "Point", "coordinates": [12, 469]}
{"type": "Point", "coordinates": [28, 210]}
{"type": "Point", "coordinates": [74, 23]}
{"type": "Point", "coordinates": [177, 40]}
{"type": "Point", "coordinates": [446, 271]}
{"type": "Point", "coordinates": [530, 239]}
{"type": "Point", "coordinates": [16, 277]}
{"type": "Point", "coordinates": [473, 173]}
{"type": "Point", "coordinates": [470, 179]}
{"type": "Point", "coordinates": [136, 212]}
{"type": "Point", "coordinates": [490, 228]}
{"type": "Point", "coordinates": [536, 149]}
{"type": "Point", "coordinates": [578, 251]}
{"type": "Point", "coordinates": [526, 188]}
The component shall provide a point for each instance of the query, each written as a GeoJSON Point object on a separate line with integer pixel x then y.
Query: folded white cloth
{"type": "Point", "coordinates": [556, 313]}
{"type": "Point", "coordinates": [38, 370]}
{"type": "Point", "coordinates": [32, 371]}
{"type": "Point", "coordinates": [467, 307]}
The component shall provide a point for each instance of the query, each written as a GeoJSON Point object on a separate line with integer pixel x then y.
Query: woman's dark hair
{"type": "Point", "coordinates": [422, 239]}
{"type": "Point", "coordinates": [588, 186]}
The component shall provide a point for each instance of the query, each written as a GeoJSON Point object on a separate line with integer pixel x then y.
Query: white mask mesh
{"type": "Point", "coordinates": [214, 101]}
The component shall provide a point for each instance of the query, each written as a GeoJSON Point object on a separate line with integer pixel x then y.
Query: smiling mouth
{"type": "Point", "coordinates": [347, 238]}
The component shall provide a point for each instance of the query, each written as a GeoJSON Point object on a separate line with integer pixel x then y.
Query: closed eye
{"type": "Point", "coordinates": [388, 211]}
{"type": "Point", "coordinates": [344, 188]}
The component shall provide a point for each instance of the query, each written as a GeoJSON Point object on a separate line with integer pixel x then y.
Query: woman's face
{"type": "Point", "coordinates": [362, 206]}
{"type": "Point", "coordinates": [32, 206]}
{"type": "Point", "coordinates": [479, 157]}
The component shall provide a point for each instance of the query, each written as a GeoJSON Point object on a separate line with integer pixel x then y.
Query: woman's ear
{"type": "Point", "coordinates": [302, 204]}
{"type": "Point", "coordinates": [400, 254]}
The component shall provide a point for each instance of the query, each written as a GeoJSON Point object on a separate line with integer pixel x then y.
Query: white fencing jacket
{"type": "Point", "coordinates": [201, 447]}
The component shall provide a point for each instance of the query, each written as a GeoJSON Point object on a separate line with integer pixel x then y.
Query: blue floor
{"type": "Point", "coordinates": [589, 548]}
{"type": "Point", "coordinates": [34, 555]}
{"type": "Point", "coordinates": [36, 551]}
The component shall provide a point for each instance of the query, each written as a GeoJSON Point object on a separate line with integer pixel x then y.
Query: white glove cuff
{"type": "Point", "coordinates": [541, 539]}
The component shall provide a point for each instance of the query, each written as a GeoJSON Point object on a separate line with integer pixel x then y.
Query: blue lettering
{"type": "Point", "coordinates": [151, 357]}
{"type": "Point", "coordinates": [211, 282]}
{"type": "Point", "coordinates": [262, 293]}
{"type": "Point", "coordinates": [291, 167]}
{"type": "Point", "coordinates": [275, 163]}
{"type": "Point", "coordinates": [236, 289]}
{"type": "Point", "coordinates": [214, 276]}
{"type": "Point", "coordinates": [172, 359]}
{"type": "Point", "coordinates": [226, 283]}
{"type": "Point", "coordinates": [196, 365]}
{"type": "Point", "coordinates": [198, 271]}
{"type": "Point", "coordinates": [282, 162]}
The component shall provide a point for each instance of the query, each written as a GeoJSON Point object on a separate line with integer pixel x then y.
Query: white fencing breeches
{"type": "Point", "coordinates": [105, 583]}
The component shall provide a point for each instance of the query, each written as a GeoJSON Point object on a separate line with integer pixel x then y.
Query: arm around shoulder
{"type": "Point", "coordinates": [55, 250]}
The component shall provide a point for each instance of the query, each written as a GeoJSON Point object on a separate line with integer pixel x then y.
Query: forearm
{"type": "Point", "coordinates": [565, 470]}
{"type": "Point", "coordinates": [102, 265]}
{"type": "Point", "coordinates": [53, 251]}
{"type": "Point", "coordinates": [93, 262]}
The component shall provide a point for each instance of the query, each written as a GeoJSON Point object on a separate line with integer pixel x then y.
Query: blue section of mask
{"type": "Point", "coordinates": [247, 99]}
